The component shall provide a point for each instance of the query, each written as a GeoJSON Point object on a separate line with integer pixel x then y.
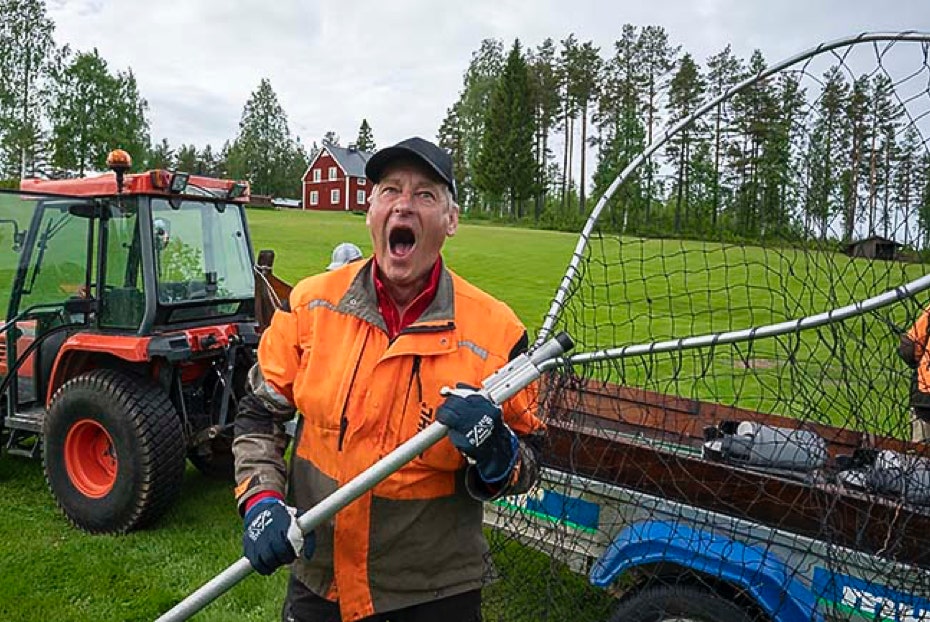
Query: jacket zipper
{"type": "Point", "coordinates": [414, 373]}
{"type": "Point", "coordinates": [344, 419]}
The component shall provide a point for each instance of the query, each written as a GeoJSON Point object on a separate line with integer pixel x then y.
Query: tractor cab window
{"type": "Point", "coordinates": [201, 253]}
{"type": "Point", "coordinates": [124, 291]}
{"type": "Point", "coordinates": [57, 267]}
{"type": "Point", "coordinates": [50, 265]}
{"type": "Point", "coordinates": [16, 212]}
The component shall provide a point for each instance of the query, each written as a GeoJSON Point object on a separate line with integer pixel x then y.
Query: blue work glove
{"type": "Point", "coordinates": [272, 537]}
{"type": "Point", "coordinates": [477, 429]}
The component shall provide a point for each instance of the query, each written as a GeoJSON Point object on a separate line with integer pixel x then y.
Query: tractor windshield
{"type": "Point", "coordinates": [201, 252]}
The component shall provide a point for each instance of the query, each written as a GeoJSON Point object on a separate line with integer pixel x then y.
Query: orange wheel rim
{"type": "Point", "coordinates": [90, 458]}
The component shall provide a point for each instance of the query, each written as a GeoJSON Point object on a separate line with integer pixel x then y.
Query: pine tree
{"type": "Point", "coordinates": [186, 159]}
{"type": "Point", "coordinates": [923, 205]}
{"type": "Point", "coordinates": [855, 112]}
{"type": "Point", "coordinates": [621, 128]}
{"type": "Point", "coordinates": [567, 64]}
{"type": "Point", "coordinates": [208, 163]}
{"type": "Point", "coordinates": [724, 71]}
{"type": "Point", "coordinates": [885, 116]}
{"type": "Point", "coordinates": [263, 151]}
{"type": "Point", "coordinates": [160, 156]}
{"type": "Point", "coordinates": [658, 60]}
{"type": "Point", "coordinates": [544, 79]}
{"type": "Point", "coordinates": [366, 138]}
{"type": "Point", "coordinates": [686, 92]}
{"type": "Point", "coordinates": [753, 107]}
{"type": "Point", "coordinates": [506, 166]}
{"type": "Point", "coordinates": [828, 138]}
{"type": "Point", "coordinates": [451, 137]}
{"type": "Point", "coordinates": [906, 178]}
{"type": "Point", "coordinates": [586, 70]}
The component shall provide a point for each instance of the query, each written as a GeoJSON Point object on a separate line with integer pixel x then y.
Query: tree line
{"type": "Point", "coordinates": [773, 160]}
{"type": "Point", "coordinates": [62, 111]}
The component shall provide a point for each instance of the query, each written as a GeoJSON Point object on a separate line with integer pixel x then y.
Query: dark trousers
{"type": "Point", "coordinates": [302, 605]}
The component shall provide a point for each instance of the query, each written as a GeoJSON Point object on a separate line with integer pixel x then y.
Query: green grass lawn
{"type": "Point", "coordinates": [50, 571]}
{"type": "Point", "coordinates": [519, 266]}
{"type": "Point", "coordinates": [633, 291]}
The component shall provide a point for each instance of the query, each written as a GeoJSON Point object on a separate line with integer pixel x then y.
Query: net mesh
{"type": "Point", "coordinates": [771, 478]}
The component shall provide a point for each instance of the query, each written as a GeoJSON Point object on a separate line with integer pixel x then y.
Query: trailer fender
{"type": "Point", "coordinates": [759, 573]}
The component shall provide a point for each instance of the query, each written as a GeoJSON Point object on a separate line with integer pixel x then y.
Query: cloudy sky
{"type": "Point", "coordinates": [399, 63]}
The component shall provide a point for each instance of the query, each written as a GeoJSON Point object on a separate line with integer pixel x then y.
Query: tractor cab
{"type": "Point", "coordinates": [136, 281]}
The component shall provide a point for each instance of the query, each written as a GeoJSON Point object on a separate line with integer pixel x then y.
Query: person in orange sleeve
{"type": "Point", "coordinates": [362, 354]}
{"type": "Point", "coordinates": [913, 349]}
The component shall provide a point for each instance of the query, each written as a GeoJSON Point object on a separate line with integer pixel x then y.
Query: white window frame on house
{"type": "Point", "coordinates": [317, 175]}
{"type": "Point", "coordinates": [333, 174]}
{"type": "Point", "coordinates": [362, 181]}
{"type": "Point", "coordinates": [360, 197]}
{"type": "Point", "coordinates": [334, 196]}
{"type": "Point", "coordinates": [314, 197]}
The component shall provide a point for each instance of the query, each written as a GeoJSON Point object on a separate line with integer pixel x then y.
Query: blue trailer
{"type": "Point", "coordinates": [679, 532]}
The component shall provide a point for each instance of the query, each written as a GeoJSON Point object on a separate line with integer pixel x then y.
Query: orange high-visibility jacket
{"type": "Point", "coordinates": [913, 349]}
{"type": "Point", "coordinates": [417, 536]}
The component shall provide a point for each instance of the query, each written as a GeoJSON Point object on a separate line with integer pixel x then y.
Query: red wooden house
{"type": "Point", "coordinates": [336, 180]}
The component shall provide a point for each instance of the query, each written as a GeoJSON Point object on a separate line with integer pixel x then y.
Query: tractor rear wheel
{"type": "Point", "coordinates": [113, 451]}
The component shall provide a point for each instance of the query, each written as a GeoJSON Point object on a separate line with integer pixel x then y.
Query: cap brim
{"type": "Point", "coordinates": [375, 166]}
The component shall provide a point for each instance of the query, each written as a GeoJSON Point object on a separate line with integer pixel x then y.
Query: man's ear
{"type": "Point", "coordinates": [453, 225]}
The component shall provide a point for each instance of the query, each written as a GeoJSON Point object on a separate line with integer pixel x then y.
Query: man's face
{"type": "Point", "coordinates": [409, 218]}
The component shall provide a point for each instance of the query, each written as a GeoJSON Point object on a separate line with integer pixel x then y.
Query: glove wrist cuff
{"type": "Point", "coordinates": [514, 456]}
{"type": "Point", "coordinates": [268, 496]}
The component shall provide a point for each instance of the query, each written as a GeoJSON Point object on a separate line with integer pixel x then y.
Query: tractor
{"type": "Point", "coordinates": [129, 333]}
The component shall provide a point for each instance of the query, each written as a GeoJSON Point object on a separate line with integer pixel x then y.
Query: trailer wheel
{"type": "Point", "coordinates": [113, 451]}
{"type": "Point", "coordinates": [678, 603]}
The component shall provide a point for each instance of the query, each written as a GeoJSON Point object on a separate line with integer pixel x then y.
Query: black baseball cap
{"type": "Point", "coordinates": [436, 158]}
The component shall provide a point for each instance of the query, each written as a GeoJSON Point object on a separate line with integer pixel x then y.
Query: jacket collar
{"type": "Point", "coordinates": [361, 301]}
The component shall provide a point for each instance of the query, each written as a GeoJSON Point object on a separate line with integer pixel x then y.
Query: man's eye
{"type": "Point", "coordinates": [424, 194]}
{"type": "Point", "coordinates": [389, 190]}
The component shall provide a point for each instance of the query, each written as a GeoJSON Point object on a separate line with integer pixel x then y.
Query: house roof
{"type": "Point", "coordinates": [876, 238]}
{"type": "Point", "coordinates": [349, 159]}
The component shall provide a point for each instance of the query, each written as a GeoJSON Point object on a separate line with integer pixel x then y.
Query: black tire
{"type": "Point", "coordinates": [125, 451]}
{"type": "Point", "coordinates": [679, 603]}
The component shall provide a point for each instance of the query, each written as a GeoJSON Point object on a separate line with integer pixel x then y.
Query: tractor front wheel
{"type": "Point", "coordinates": [113, 451]}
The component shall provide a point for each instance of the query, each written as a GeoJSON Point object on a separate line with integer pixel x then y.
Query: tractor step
{"type": "Point", "coordinates": [24, 429]}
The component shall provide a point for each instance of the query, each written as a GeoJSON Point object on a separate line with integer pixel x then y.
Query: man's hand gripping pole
{"type": "Point", "coordinates": [498, 387]}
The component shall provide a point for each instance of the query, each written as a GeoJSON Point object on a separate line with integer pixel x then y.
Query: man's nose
{"type": "Point", "coordinates": [403, 203]}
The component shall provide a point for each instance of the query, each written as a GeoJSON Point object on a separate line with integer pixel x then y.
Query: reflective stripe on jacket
{"type": "Point", "coordinates": [417, 536]}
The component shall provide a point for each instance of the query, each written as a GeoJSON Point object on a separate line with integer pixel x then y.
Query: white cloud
{"type": "Point", "coordinates": [399, 63]}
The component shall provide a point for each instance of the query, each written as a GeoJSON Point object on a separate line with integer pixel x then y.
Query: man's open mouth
{"type": "Point", "coordinates": [401, 241]}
